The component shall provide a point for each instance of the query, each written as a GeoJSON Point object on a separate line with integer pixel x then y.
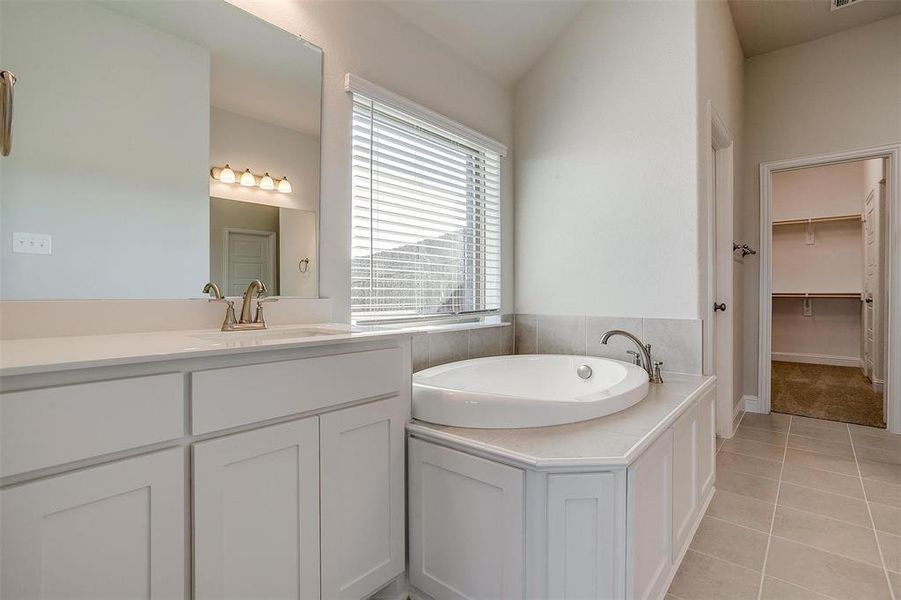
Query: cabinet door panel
{"type": "Point", "coordinates": [256, 514]}
{"type": "Point", "coordinates": [686, 484]}
{"type": "Point", "coordinates": [707, 444]}
{"type": "Point", "coordinates": [466, 525]}
{"type": "Point", "coordinates": [650, 520]}
{"type": "Point", "coordinates": [585, 543]}
{"type": "Point", "coordinates": [362, 460]}
{"type": "Point", "coordinates": [113, 531]}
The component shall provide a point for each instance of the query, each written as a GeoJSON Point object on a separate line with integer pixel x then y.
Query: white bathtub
{"type": "Point", "coordinates": [525, 391]}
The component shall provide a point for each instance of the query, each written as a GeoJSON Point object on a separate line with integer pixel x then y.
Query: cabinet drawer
{"type": "Point", "coordinates": [222, 398]}
{"type": "Point", "coordinates": [52, 426]}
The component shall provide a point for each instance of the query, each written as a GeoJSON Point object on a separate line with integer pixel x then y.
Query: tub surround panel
{"type": "Point", "coordinates": [676, 342]}
{"type": "Point", "coordinates": [439, 347]}
{"type": "Point", "coordinates": [608, 441]}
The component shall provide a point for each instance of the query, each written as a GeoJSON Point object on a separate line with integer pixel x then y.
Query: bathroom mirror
{"type": "Point", "coordinates": [157, 145]}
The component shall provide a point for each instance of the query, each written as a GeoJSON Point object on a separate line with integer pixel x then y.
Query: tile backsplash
{"type": "Point", "coordinates": [676, 342]}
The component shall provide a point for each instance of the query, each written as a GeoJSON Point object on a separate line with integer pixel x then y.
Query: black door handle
{"type": "Point", "coordinates": [869, 301]}
{"type": "Point", "coordinates": [717, 307]}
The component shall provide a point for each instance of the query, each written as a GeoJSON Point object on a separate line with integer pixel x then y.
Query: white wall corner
{"type": "Point", "coordinates": [750, 403]}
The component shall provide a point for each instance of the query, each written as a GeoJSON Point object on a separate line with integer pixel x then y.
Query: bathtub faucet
{"type": "Point", "coordinates": [652, 367]}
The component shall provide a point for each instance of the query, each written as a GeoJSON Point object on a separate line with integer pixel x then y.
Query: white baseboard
{"type": "Point", "coordinates": [751, 403]}
{"type": "Point", "coordinates": [818, 359]}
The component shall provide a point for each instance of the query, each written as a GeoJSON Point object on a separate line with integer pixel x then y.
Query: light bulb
{"type": "Point", "coordinates": [266, 183]}
{"type": "Point", "coordinates": [226, 175]}
{"type": "Point", "coordinates": [247, 178]}
{"type": "Point", "coordinates": [284, 186]}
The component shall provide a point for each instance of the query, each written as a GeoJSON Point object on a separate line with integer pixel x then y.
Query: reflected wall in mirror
{"type": "Point", "coordinates": [123, 109]}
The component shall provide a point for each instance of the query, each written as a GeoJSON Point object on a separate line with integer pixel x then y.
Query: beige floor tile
{"type": "Point", "coordinates": [771, 422]}
{"type": "Point", "coordinates": [874, 431]}
{"type": "Point", "coordinates": [742, 510]}
{"type": "Point", "coordinates": [752, 448]}
{"type": "Point", "coordinates": [822, 446]}
{"type": "Point", "coordinates": [826, 481]}
{"type": "Point", "coordinates": [820, 423]}
{"type": "Point", "coordinates": [703, 577]}
{"type": "Point", "coordinates": [775, 438]}
{"type": "Point", "coordinates": [883, 440]}
{"type": "Point", "coordinates": [826, 573]}
{"type": "Point", "coordinates": [821, 433]}
{"type": "Point", "coordinates": [886, 518]}
{"type": "Point", "coordinates": [730, 542]}
{"type": "Point", "coordinates": [727, 461]}
{"type": "Point", "coordinates": [852, 541]}
{"type": "Point", "coordinates": [880, 471]}
{"type": "Point", "coordinates": [883, 493]}
{"type": "Point", "coordinates": [881, 455]}
{"type": "Point", "coordinates": [814, 460]}
{"type": "Point", "coordinates": [747, 485]}
{"type": "Point", "coordinates": [850, 510]}
{"type": "Point", "coordinates": [775, 589]}
{"type": "Point", "coordinates": [891, 550]}
{"type": "Point", "coordinates": [895, 578]}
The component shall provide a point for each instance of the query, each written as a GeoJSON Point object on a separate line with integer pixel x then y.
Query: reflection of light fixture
{"type": "Point", "coordinates": [226, 175]}
{"type": "Point", "coordinates": [264, 182]}
{"type": "Point", "coordinates": [284, 186]}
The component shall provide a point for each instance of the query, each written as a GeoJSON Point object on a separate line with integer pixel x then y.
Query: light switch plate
{"type": "Point", "coordinates": [31, 243]}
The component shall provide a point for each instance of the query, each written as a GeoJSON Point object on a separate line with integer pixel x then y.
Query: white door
{"type": "Point", "coordinates": [872, 285]}
{"type": "Point", "coordinates": [256, 514]}
{"type": "Point", "coordinates": [686, 484]}
{"type": "Point", "coordinates": [362, 473]}
{"type": "Point", "coordinates": [114, 532]}
{"type": "Point", "coordinates": [650, 520]}
{"type": "Point", "coordinates": [249, 256]}
{"type": "Point", "coordinates": [466, 525]}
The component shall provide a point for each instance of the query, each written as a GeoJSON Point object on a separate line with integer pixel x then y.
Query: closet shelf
{"type": "Point", "coordinates": [855, 217]}
{"type": "Point", "coordinates": [856, 295]}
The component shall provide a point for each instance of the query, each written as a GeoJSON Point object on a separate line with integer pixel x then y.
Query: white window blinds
{"type": "Point", "coordinates": [426, 217]}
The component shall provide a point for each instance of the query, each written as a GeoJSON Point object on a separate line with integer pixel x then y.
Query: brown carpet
{"type": "Point", "coordinates": [826, 392]}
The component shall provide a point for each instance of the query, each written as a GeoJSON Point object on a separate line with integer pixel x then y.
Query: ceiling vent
{"type": "Point", "coordinates": [837, 4]}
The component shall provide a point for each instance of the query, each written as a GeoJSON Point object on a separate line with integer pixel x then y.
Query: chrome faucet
{"type": "Point", "coordinates": [643, 359]}
{"type": "Point", "coordinates": [247, 322]}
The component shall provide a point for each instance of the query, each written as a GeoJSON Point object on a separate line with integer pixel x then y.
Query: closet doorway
{"type": "Point", "coordinates": [829, 267]}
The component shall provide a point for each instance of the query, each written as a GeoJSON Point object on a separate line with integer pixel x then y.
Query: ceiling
{"type": "Point", "coordinates": [767, 25]}
{"type": "Point", "coordinates": [504, 37]}
{"type": "Point", "coordinates": [256, 69]}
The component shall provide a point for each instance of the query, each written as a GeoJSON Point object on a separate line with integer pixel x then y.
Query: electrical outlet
{"type": "Point", "coordinates": [31, 243]}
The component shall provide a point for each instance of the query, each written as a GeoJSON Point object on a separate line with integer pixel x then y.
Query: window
{"type": "Point", "coordinates": [426, 213]}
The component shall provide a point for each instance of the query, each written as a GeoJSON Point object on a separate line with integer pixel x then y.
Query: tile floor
{"type": "Point", "coordinates": [804, 509]}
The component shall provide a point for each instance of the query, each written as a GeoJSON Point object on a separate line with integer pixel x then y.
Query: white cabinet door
{"type": "Point", "coordinates": [362, 473]}
{"type": "Point", "coordinates": [650, 525]}
{"type": "Point", "coordinates": [586, 540]}
{"type": "Point", "coordinates": [707, 444]}
{"type": "Point", "coordinates": [115, 531]}
{"type": "Point", "coordinates": [466, 525]}
{"type": "Point", "coordinates": [686, 484]}
{"type": "Point", "coordinates": [256, 514]}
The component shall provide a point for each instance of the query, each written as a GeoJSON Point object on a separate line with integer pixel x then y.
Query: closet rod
{"type": "Point", "coordinates": [819, 220]}
{"type": "Point", "coordinates": [817, 295]}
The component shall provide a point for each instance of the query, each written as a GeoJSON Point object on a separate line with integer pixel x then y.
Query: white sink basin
{"type": "Point", "coordinates": [276, 333]}
{"type": "Point", "coordinates": [525, 391]}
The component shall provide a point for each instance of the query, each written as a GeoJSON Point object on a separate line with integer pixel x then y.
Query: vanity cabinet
{"type": "Point", "coordinates": [466, 524]}
{"type": "Point", "coordinates": [256, 513]}
{"type": "Point", "coordinates": [112, 531]}
{"type": "Point", "coordinates": [686, 479]}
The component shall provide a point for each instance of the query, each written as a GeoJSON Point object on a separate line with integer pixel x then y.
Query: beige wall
{"type": "Point", "coordinates": [370, 40]}
{"type": "Point", "coordinates": [720, 80]}
{"type": "Point", "coordinates": [835, 93]}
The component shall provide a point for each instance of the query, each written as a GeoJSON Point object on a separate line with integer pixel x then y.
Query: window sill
{"type": "Point", "coordinates": [438, 326]}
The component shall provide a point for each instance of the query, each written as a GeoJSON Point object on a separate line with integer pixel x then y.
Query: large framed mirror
{"type": "Point", "coordinates": [157, 145]}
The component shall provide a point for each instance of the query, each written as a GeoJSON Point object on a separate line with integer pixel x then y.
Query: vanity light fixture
{"type": "Point", "coordinates": [265, 182]}
{"type": "Point", "coordinates": [247, 178]}
{"type": "Point", "coordinates": [284, 186]}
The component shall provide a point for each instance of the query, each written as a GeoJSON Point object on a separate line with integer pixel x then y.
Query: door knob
{"type": "Point", "coordinates": [869, 301]}
{"type": "Point", "coordinates": [717, 307]}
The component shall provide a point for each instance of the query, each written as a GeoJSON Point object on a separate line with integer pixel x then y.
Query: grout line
{"type": "Point", "coordinates": [721, 559]}
{"type": "Point", "coordinates": [888, 579]}
{"type": "Point", "coordinates": [813, 514]}
{"type": "Point", "coordinates": [799, 586]}
{"type": "Point", "coordinates": [769, 540]}
{"type": "Point", "coordinates": [820, 549]}
{"type": "Point", "coordinates": [722, 520]}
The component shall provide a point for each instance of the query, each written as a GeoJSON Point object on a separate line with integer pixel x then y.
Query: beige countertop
{"type": "Point", "coordinates": [611, 441]}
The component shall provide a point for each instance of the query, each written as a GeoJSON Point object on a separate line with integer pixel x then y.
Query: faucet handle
{"type": "Point", "coordinates": [656, 377]}
{"type": "Point", "coordinates": [636, 357]}
{"type": "Point", "coordinates": [258, 316]}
